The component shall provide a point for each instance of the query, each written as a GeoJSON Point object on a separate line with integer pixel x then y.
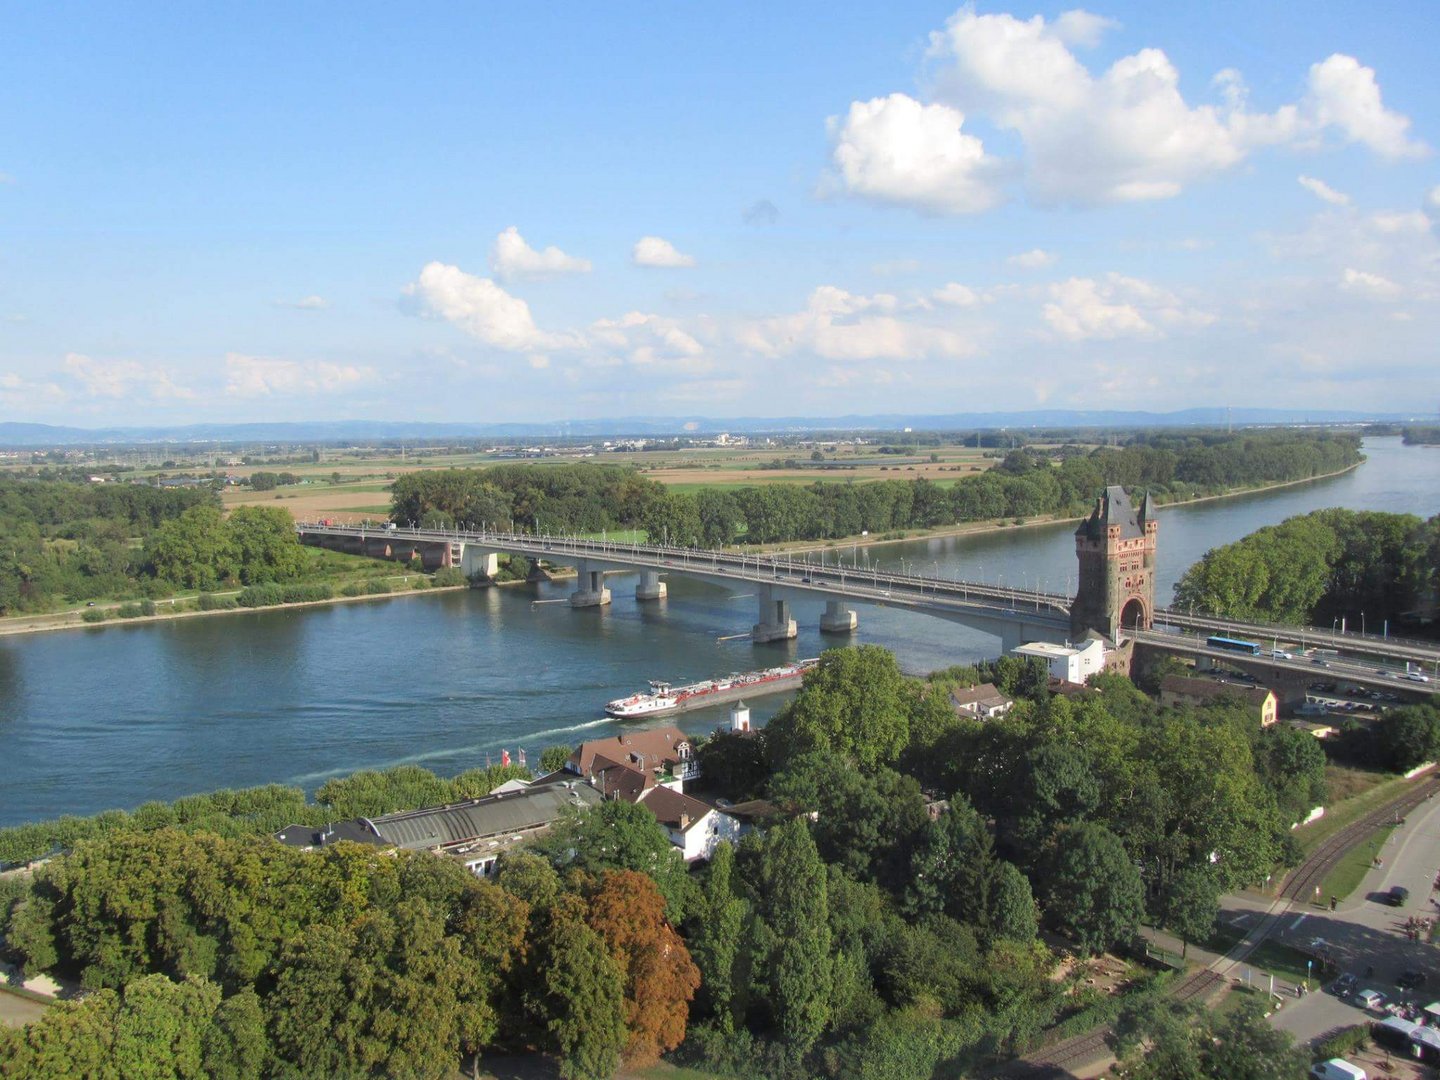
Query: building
{"type": "Point", "coordinates": [627, 764]}
{"type": "Point", "coordinates": [1178, 690]}
{"type": "Point", "coordinates": [474, 832]}
{"type": "Point", "coordinates": [1069, 663]}
{"type": "Point", "coordinates": [1115, 546]}
{"type": "Point", "coordinates": [984, 702]}
{"type": "Point", "coordinates": [693, 826]}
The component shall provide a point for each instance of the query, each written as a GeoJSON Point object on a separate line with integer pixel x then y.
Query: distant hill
{"type": "Point", "coordinates": [349, 431]}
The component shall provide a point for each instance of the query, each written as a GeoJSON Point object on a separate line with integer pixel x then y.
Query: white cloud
{"type": "Point", "coordinates": [1433, 199]}
{"type": "Point", "coordinates": [838, 325]}
{"type": "Point", "coordinates": [1344, 94]}
{"type": "Point", "coordinates": [1122, 134]}
{"type": "Point", "coordinates": [123, 380]}
{"type": "Point", "coordinates": [305, 303]}
{"type": "Point", "coordinates": [1369, 285]}
{"type": "Point", "coordinates": [896, 150]}
{"type": "Point", "coordinates": [1324, 191]}
{"type": "Point", "coordinates": [654, 251]}
{"type": "Point", "coordinates": [1117, 306]}
{"type": "Point", "coordinates": [512, 257]}
{"type": "Point", "coordinates": [1035, 259]}
{"type": "Point", "coordinates": [956, 295]}
{"type": "Point", "coordinates": [1391, 222]}
{"type": "Point", "coordinates": [651, 340]}
{"type": "Point", "coordinates": [481, 309]}
{"type": "Point", "coordinates": [262, 376]}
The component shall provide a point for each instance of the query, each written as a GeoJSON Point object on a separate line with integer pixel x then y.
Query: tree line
{"type": "Point", "coordinates": [884, 924]}
{"type": "Point", "coordinates": [1026, 483]}
{"type": "Point", "coordinates": [1366, 567]}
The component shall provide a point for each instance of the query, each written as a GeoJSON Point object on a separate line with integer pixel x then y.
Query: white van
{"type": "Point", "coordinates": [1337, 1069]}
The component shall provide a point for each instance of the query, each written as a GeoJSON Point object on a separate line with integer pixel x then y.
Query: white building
{"type": "Point", "coordinates": [1072, 663]}
{"type": "Point", "coordinates": [693, 826]}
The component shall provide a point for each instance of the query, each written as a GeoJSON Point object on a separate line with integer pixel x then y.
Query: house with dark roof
{"type": "Point", "coordinates": [475, 832]}
{"type": "Point", "coordinates": [693, 826]}
{"type": "Point", "coordinates": [1179, 690]}
{"type": "Point", "coordinates": [634, 761]}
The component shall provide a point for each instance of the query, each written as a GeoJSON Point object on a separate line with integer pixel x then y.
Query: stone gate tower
{"type": "Point", "coordinates": [1116, 549]}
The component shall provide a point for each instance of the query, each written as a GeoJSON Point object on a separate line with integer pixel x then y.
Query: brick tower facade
{"type": "Point", "coordinates": [1116, 549]}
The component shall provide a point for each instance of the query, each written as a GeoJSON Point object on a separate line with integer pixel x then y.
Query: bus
{"type": "Point", "coordinates": [1233, 645]}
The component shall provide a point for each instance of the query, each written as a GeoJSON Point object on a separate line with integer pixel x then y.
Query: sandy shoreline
{"type": "Point", "coordinates": [71, 620]}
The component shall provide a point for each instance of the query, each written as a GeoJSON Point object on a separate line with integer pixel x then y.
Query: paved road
{"type": "Point", "coordinates": [1367, 933]}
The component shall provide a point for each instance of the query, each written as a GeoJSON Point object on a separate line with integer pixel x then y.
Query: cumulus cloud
{"type": "Point", "coordinates": [1392, 222]}
{"type": "Point", "coordinates": [482, 309]}
{"type": "Point", "coordinates": [305, 303]}
{"type": "Point", "coordinates": [1122, 134]}
{"type": "Point", "coordinates": [123, 379]}
{"type": "Point", "coordinates": [262, 376]}
{"type": "Point", "coordinates": [760, 212]}
{"type": "Point", "coordinates": [512, 257]}
{"type": "Point", "coordinates": [1117, 306]}
{"type": "Point", "coordinates": [657, 252]}
{"type": "Point", "coordinates": [839, 325]}
{"type": "Point", "coordinates": [956, 295]}
{"type": "Point", "coordinates": [1035, 259]}
{"type": "Point", "coordinates": [896, 150]}
{"type": "Point", "coordinates": [1345, 95]}
{"type": "Point", "coordinates": [651, 340]}
{"type": "Point", "coordinates": [1372, 286]}
{"type": "Point", "coordinates": [1433, 199]}
{"type": "Point", "coordinates": [1324, 191]}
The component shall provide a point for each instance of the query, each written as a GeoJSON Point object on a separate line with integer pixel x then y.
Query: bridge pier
{"type": "Point", "coordinates": [775, 622]}
{"type": "Point", "coordinates": [650, 586]}
{"type": "Point", "coordinates": [478, 562]}
{"type": "Point", "coordinates": [837, 619]}
{"type": "Point", "coordinates": [590, 590]}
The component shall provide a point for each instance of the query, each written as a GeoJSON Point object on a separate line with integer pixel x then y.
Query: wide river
{"type": "Point", "coordinates": [113, 716]}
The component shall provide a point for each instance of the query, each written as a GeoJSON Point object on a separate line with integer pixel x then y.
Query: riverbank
{"type": "Point", "coordinates": [972, 528]}
{"type": "Point", "coordinates": [73, 620]}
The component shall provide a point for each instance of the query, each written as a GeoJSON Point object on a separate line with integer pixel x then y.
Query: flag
{"type": "Point", "coordinates": [522, 757]}
{"type": "Point", "coordinates": [504, 757]}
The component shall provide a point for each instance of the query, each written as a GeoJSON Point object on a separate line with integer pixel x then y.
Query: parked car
{"type": "Point", "coordinates": [1344, 986]}
{"type": "Point", "coordinates": [1410, 979]}
{"type": "Point", "coordinates": [1370, 1000]}
{"type": "Point", "coordinates": [1397, 896]}
{"type": "Point", "coordinates": [1337, 1069]}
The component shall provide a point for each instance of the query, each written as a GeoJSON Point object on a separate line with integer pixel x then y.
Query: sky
{"type": "Point", "coordinates": [503, 212]}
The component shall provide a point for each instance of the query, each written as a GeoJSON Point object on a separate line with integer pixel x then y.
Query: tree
{"type": "Point", "coordinates": [1012, 905]}
{"type": "Point", "coordinates": [1093, 891]}
{"type": "Point", "coordinates": [1190, 905]}
{"type": "Point", "coordinates": [854, 702]}
{"type": "Point", "coordinates": [195, 550]}
{"type": "Point", "coordinates": [265, 544]}
{"type": "Point", "coordinates": [656, 971]}
{"type": "Point", "coordinates": [621, 836]}
{"type": "Point", "coordinates": [716, 936]}
{"type": "Point", "coordinates": [553, 759]}
{"type": "Point", "coordinates": [1409, 736]}
{"type": "Point", "coordinates": [793, 904]}
{"type": "Point", "coordinates": [575, 993]}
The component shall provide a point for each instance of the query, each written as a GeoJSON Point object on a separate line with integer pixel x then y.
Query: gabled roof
{"type": "Point", "coordinates": [674, 810]}
{"type": "Point", "coordinates": [653, 748]}
{"type": "Point", "coordinates": [1213, 689]}
{"type": "Point", "coordinates": [986, 694]}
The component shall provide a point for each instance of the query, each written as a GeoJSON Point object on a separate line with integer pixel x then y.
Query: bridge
{"type": "Point", "coordinates": [1113, 582]}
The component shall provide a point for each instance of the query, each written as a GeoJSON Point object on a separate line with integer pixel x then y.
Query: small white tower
{"type": "Point", "coordinates": [739, 717]}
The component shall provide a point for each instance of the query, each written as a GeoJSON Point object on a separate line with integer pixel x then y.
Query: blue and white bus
{"type": "Point", "coordinates": [1233, 645]}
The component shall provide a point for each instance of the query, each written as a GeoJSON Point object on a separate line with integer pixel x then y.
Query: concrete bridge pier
{"type": "Point", "coordinates": [837, 619]}
{"type": "Point", "coordinates": [650, 586]}
{"type": "Point", "coordinates": [590, 590]}
{"type": "Point", "coordinates": [478, 562]}
{"type": "Point", "coordinates": [775, 622]}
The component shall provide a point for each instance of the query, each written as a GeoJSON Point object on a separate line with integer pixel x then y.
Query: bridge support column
{"type": "Point", "coordinates": [590, 590]}
{"type": "Point", "coordinates": [477, 562]}
{"type": "Point", "coordinates": [1011, 638]}
{"type": "Point", "coordinates": [650, 586]}
{"type": "Point", "coordinates": [775, 622]}
{"type": "Point", "coordinates": [837, 620]}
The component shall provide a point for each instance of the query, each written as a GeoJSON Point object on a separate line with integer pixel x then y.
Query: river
{"type": "Point", "coordinates": [110, 717]}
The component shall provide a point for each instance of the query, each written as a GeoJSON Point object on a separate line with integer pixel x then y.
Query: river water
{"type": "Point", "coordinates": [110, 717]}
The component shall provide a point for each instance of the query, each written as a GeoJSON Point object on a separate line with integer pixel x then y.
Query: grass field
{"type": "Point", "coordinates": [1353, 793]}
{"type": "Point", "coordinates": [1350, 871]}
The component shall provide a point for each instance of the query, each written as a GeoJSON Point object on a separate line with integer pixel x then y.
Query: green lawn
{"type": "Point", "coordinates": [1351, 870]}
{"type": "Point", "coordinates": [1283, 962]}
{"type": "Point", "coordinates": [1372, 789]}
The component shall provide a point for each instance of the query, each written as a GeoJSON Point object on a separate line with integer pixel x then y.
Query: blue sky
{"type": "Point", "coordinates": [287, 212]}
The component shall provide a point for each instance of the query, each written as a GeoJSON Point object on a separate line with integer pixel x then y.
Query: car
{"type": "Point", "coordinates": [1411, 978]}
{"type": "Point", "coordinates": [1319, 661]}
{"type": "Point", "coordinates": [1397, 896]}
{"type": "Point", "coordinates": [1370, 1000]}
{"type": "Point", "coordinates": [90, 603]}
{"type": "Point", "coordinates": [1417, 676]}
{"type": "Point", "coordinates": [1345, 985]}
{"type": "Point", "coordinates": [1336, 1069]}
{"type": "Point", "coordinates": [1281, 654]}
{"type": "Point", "coordinates": [805, 581]}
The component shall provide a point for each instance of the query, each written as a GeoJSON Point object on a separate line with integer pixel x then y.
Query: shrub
{"type": "Point", "coordinates": [449, 576]}
{"type": "Point", "coordinates": [1340, 1044]}
{"type": "Point", "coordinates": [93, 615]}
{"type": "Point", "coordinates": [377, 588]}
{"type": "Point", "coordinates": [130, 611]}
{"type": "Point", "coordinates": [353, 589]}
{"type": "Point", "coordinates": [147, 607]}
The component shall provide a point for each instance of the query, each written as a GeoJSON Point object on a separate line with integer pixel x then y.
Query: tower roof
{"type": "Point", "coordinates": [1115, 508]}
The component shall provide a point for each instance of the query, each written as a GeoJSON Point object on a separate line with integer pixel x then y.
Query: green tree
{"type": "Point", "coordinates": [621, 836]}
{"type": "Point", "coordinates": [1093, 890]}
{"type": "Point", "coordinates": [716, 935]}
{"type": "Point", "coordinates": [553, 759]}
{"type": "Point", "coordinates": [265, 544]}
{"type": "Point", "coordinates": [575, 993]}
{"type": "Point", "coordinates": [1409, 736]}
{"type": "Point", "coordinates": [794, 906]}
{"type": "Point", "coordinates": [1190, 905]}
{"type": "Point", "coordinates": [195, 550]}
{"type": "Point", "coordinates": [853, 702]}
